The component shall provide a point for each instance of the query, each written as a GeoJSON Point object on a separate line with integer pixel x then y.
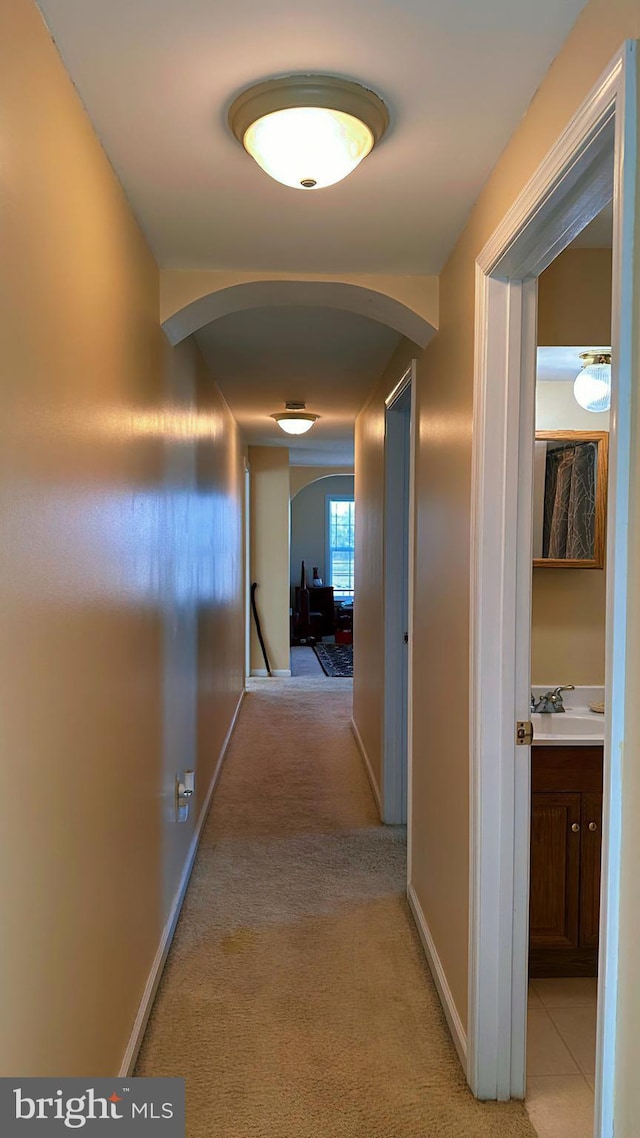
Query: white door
{"type": "Point", "coordinates": [397, 591]}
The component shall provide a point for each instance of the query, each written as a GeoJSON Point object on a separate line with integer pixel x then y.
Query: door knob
{"type": "Point", "coordinates": [593, 826]}
{"type": "Point", "coordinates": [575, 827]}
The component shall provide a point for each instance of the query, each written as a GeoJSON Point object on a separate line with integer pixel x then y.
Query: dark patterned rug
{"type": "Point", "coordinates": [335, 659]}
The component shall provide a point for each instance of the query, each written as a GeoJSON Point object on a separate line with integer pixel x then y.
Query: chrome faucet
{"type": "Point", "coordinates": [551, 701]}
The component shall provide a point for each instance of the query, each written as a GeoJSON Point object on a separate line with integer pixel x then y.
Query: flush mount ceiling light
{"type": "Point", "coordinates": [592, 388]}
{"type": "Point", "coordinates": [295, 420]}
{"type": "Point", "coordinates": [308, 131]}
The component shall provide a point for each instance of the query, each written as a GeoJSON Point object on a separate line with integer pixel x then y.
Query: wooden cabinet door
{"type": "Point", "coordinates": [555, 869]}
{"type": "Point", "coordinates": [591, 848]}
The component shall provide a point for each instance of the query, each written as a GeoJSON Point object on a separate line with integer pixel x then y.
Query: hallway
{"type": "Point", "coordinates": [296, 1000]}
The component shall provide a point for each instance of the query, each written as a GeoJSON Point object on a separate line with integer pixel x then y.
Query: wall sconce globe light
{"type": "Point", "coordinates": [295, 420]}
{"type": "Point", "coordinates": [308, 131]}
{"type": "Point", "coordinates": [592, 387]}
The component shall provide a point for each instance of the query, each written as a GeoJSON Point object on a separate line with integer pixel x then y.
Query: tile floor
{"type": "Point", "coordinates": [561, 1047]}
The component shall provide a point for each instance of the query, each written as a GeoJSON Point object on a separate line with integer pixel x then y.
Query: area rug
{"type": "Point", "coordinates": [336, 659]}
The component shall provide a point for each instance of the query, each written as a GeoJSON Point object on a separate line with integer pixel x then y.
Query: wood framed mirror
{"type": "Point", "coordinates": [570, 499]}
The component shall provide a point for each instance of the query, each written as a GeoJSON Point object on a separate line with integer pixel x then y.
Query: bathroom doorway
{"type": "Point", "coordinates": [568, 635]}
{"type": "Point", "coordinates": [592, 162]}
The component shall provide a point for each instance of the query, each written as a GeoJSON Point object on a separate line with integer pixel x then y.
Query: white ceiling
{"type": "Point", "coordinates": [556, 364]}
{"type": "Point", "coordinates": [157, 78]}
{"type": "Point", "coordinates": [325, 357]}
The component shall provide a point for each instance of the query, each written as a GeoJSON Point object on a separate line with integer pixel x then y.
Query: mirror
{"type": "Point", "coordinates": [570, 499]}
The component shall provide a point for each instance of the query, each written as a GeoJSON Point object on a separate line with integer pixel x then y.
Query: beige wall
{"type": "Point", "coordinates": [443, 475]}
{"type": "Point", "coordinates": [568, 620]}
{"type": "Point", "coordinates": [574, 299]}
{"type": "Point", "coordinates": [368, 615]}
{"type": "Point", "coordinates": [111, 525]}
{"type": "Point", "coordinates": [440, 634]}
{"type": "Point", "coordinates": [440, 806]}
{"type": "Point", "coordinates": [212, 560]}
{"type": "Point", "coordinates": [301, 476]}
{"type": "Point", "coordinates": [270, 554]}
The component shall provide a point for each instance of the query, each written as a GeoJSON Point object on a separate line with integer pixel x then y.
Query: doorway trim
{"type": "Point", "coordinates": [398, 558]}
{"type": "Point", "coordinates": [593, 160]}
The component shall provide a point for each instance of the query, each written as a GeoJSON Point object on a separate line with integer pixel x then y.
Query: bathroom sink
{"type": "Point", "coordinates": [574, 725]}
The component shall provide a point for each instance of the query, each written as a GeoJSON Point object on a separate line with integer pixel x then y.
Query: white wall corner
{"type": "Point", "coordinates": [454, 1022]}
{"type": "Point", "coordinates": [146, 1003]}
{"type": "Point", "coordinates": [367, 766]}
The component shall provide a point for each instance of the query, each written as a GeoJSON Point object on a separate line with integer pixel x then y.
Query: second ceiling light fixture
{"type": "Point", "coordinates": [295, 420]}
{"type": "Point", "coordinates": [592, 387]}
{"type": "Point", "coordinates": [308, 131]}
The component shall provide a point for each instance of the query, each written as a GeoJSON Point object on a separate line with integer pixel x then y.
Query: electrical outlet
{"type": "Point", "coordinates": [185, 790]}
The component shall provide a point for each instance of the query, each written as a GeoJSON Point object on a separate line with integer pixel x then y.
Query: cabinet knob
{"type": "Point", "coordinates": [593, 826]}
{"type": "Point", "coordinates": [575, 827]}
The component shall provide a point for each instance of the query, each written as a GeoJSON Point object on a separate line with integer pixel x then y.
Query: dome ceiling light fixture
{"type": "Point", "coordinates": [308, 131]}
{"type": "Point", "coordinates": [592, 387]}
{"type": "Point", "coordinates": [295, 420]}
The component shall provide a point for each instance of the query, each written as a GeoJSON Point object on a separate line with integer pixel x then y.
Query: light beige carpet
{"type": "Point", "coordinates": [296, 999]}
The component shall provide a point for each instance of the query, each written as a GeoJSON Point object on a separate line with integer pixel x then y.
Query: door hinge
{"type": "Point", "coordinates": [524, 733]}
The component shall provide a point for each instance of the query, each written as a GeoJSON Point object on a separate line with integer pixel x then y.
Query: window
{"type": "Point", "coordinates": [341, 545]}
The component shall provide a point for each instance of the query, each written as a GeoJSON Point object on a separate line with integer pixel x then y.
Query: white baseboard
{"type": "Point", "coordinates": [151, 987]}
{"type": "Point", "coordinates": [367, 766]}
{"type": "Point", "coordinates": [277, 673]}
{"type": "Point", "coordinates": [458, 1033]}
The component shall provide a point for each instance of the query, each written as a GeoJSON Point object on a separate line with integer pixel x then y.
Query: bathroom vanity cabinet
{"type": "Point", "coordinates": [566, 837]}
